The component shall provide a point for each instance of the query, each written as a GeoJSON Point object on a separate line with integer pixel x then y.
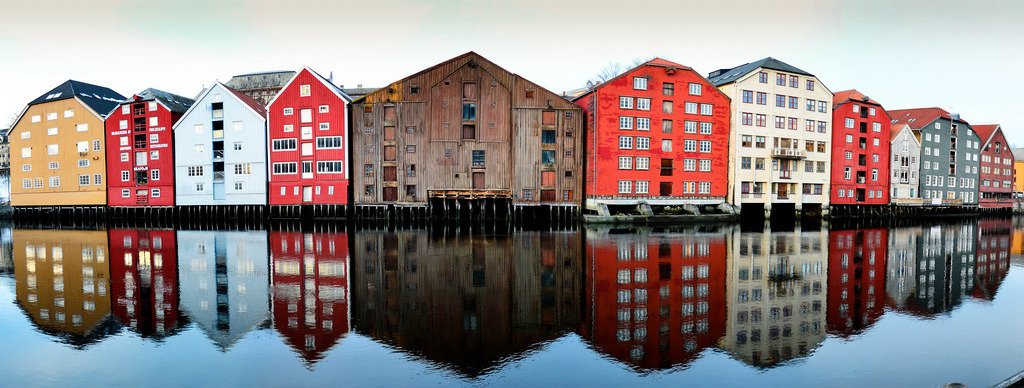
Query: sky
{"type": "Point", "coordinates": [961, 56]}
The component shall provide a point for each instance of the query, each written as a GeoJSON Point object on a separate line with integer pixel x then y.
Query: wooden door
{"type": "Point", "coordinates": [478, 181]}
{"type": "Point", "coordinates": [307, 194]}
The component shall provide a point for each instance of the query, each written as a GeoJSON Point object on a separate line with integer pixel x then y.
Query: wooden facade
{"type": "Point", "coordinates": [996, 169]}
{"type": "Point", "coordinates": [466, 129]}
{"type": "Point", "coordinates": [860, 150]}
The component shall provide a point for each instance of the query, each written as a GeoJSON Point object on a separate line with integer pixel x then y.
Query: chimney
{"type": "Point", "coordinates": [360, 86]}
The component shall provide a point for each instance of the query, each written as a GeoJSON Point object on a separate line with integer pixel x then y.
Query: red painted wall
{"type": "Point", "coordinates": [602, 114]}
{"type": "Point", "coordinates": [993, 257]}
{"type": "Point", "coordinates": [664, 259]}
{"type": "Point", "coordinates": [996, 168]}
{"type": "Point", "coordinates": [294, 184]}
{"type": "Point", "coordinates": [300, 265]}
{"type": "Point", "coordinates": [856, 279]}
{"type": "Point", "coordinates": [840, 113]}
{"type": "Point", "coordinates": [164, 146]}
{"type": "Point", "coordinates": [144, 280]}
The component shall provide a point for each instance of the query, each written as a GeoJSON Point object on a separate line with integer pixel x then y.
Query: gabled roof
{"type": "Point", "coordinates": [725, 76]}
{"type": "Point", "coordinates": [657, 62]}
{"type": "Point", "coordinates": [173, 102]}
{"type": "Point", "coordinates": [100, 99]}
{"type": "Point", "coordinates": [330, 85]}
{"type": "Point", "coordinates": [261, 80]}
{"type": "Point", "coordinates": [254, 105]}
{"type": "Point", "coordinates": [917, 118]}
{"type": "Point", "coordinates": [1018, 154]}
{"type": "Point", "coordinates": [896, 129]}
{"type": "Point", "coordinates": [852, 95]}
{"type": "Point", "coordinates": [985, 132]}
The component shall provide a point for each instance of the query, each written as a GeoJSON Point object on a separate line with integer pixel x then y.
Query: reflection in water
{"type": "Point", "coordinates": [656, 300]}
{"type": "Point", "coordinates": [651, 299]}
{"type": "Point", "coordinates": [775, 290]}
{"type": "Point", "coordinates": [63, 282]}
{"type": "Point", "coordinates": [310, 290]}
{"type": "Point", "coordinates": [466, 302]}
{"type": "Point", "coordinates": [224, 282]}
{"type": "Point", "coordinates": [856, 279]}
{"type": "Point", "coordinates": [144, 280]}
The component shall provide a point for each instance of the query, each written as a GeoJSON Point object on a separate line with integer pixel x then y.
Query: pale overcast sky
{"type": "Point", "coordinates": [959, 55]}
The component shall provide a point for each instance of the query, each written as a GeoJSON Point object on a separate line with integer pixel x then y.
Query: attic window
{"type": "Point", "coordinates": [446, 83]}
{"type": "Point", "coordinates": [529, 94]}
{"type": "Point", "coordinates": [415, 89]}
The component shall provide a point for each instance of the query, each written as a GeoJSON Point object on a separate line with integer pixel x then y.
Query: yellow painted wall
{"type": "Point", "coordinates": [63, 278]}
{"type": "Point", "coordinates": [1018, 176]}
{"type": "Point", "coordinates": [69, 192]}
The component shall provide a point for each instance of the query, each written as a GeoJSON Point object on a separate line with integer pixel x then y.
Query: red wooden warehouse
{"type": "Point", "coordinates": [996, 171]}
{"type": "Point", "coordinates": [656, 134]}
{"type": "Point", "coordinates": [856, 279]}
{"type": "Point", "coordinates": [140, 149]}
{"type": "Point", "coordinates": [307, 136]}
{"type": "Point", "coordinates": [860, 150]}
{"type": "Point", "coordinates": [144, 281]}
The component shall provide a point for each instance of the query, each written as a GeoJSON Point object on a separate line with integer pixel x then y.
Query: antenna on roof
{"type": "Point", "coordinates": [330, 76]}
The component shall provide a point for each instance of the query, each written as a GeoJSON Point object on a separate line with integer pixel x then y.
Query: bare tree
{"type": "Point", "coordinates": [615, 68]}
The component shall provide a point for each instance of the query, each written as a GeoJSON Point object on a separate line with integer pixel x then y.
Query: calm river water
{"type": "Point", "coordinates": [920, 305]}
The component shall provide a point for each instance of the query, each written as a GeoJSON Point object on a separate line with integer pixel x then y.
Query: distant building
{"type": "Point", "coordinates": [905, 146]}
{"type": "Point", "coordinates": [996, 169]}
{"type": "Point", "coordinates": [261, 87]}
{"type": "Point", "coordinates": [949, 155]}
{"type": "Point", "coordinates": [220, 155]}
{"type": "Point", "coordinates": [778, 113]}
{"type": "Point", "coordinates": [308, 135]}
{"type": "Point", "coordinates": [860, 150]}
{"type": "Point", "coordinates": [59, 155]}
{"type": "Point", "coordinates": [657, 134]}
{"type": "Point", "coordinates": [140, 149]}
{"type": "Point", "coordinates": [1018, 172]}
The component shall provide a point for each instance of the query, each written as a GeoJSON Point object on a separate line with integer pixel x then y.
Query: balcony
{"type": "Point", "coordinates": [218, 154]}
{"type": "Point", "coordinates": [787, 153]}
{"type": "Point", "coordinates": [218, 175]}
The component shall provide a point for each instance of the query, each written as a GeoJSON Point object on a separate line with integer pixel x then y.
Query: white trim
{"type": "Point", "coordinates": [206, 92]}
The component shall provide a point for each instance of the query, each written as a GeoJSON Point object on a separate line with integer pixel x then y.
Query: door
{"type": "Point", "coordinates": [218, 190]}
{"type": "Point", "coordinates": [307, 170]}
{"type": "Point", "coordinates": [783, 190]}
{"type": "Point", "coordinates": [307, 194]}
{"type": "Point", "coordinates": [478, 181]}
{"type": "Point", "coordinates": [665, 189]}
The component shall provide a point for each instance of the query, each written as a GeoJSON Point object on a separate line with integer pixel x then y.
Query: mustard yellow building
{"type": "Point", "coordinates": [1018, 172]}
{"type": "Point", "coordinates": [57, 151]}
{"type": "Point", "coordinates": [63, 281]}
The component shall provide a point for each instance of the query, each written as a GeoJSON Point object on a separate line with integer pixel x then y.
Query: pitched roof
{"type": "Point", "coordinates": [1018, 154]}
{"type": "Point", "coordinates": [173, 102]}
{"type": "Point", "coordinates": [261, 80]}
{"type": "Point", "coordinates": [725, 76]}
{"type": "Point", "coordinates": [255, 105]}
{"type": "Point", "coordinates": [659, 62]}
{"type": "Point", "coordinates": [985, 131]}
{"type": "Point", "coordinates": [330, 86]}
{"type": "Point", "coordinates": [852, 95]}
{"type": "Point", "coordinates": [100, 99]}
{"type": "Point", "coordinates": [917, 118]}
{"type": "Point", "coordinates": [895, 130]}
{"type": "Point", "coordinates": [357, 92]}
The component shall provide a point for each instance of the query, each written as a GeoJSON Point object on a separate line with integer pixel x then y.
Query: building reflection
{"type": "Point", "coordinates": [856, 279]}
{"type": "Point", "coordinates": [993, 258]}
{"type": "Point", "coordinates": [931, 268]}
{"type": "Point", "coordinates": [466, 302]}
{"type": "Point", "coordinates": [655, 300]}
{"type": "Point", "coordinates": [6, 252]}
{"type": "Point", "coordinates": [144, 281]}
{"type": "Point", "coordinates": [224, 282]}
{"type": "Point", "coordinates": [775, 292]}
{"type": "Point", "coordinates": [62, 282]}
{"type": "Point", "coordinates": [310, 290]}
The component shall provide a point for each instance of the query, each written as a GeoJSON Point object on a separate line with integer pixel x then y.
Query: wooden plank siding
{"type": "Point", "coordinates": [415, 132]}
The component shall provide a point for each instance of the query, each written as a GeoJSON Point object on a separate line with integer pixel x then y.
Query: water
{"type": "Point", "coordinates": [920, 305]}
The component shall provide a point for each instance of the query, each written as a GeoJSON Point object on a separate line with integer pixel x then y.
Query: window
{"type": "Point", "coordinates": [762, 98]}
{"type": "Point", "coordinates": [810, 84]}
{"type": "Point", "coordinates": [626, 102]}
{"type": "Point", "coordinates": [625, 187]}
{"type": "Point", "coordinates": [794, 81]}
{"type": "Point", "coordinates": [547, 157]}
{"type": "Point", "coordinates": [156, 192]}
{"type": "Point", "coordinates": [625, 142]}
{"type": "Point", "coordinates": [327, 142]}
{"type": "Point", "coordinates": [304, 90]}
{"type": "Point", "coordinates": [285, 144]}
{"type": "Point", "coordinates": [780, 122]}
{"type": "Point", "coordinates": [780, 79]}
{"type": "Point", "coordinates": [194, 171]}
{"type": "Point", "coordinates": [83, 162]}
{"type": "Point", "coordinates": [83, 146]}
{"type": "Point", "coordinates": [625, 163]}
{"type": "Point", "coordinates": [849, 122]}
{"type": "Point", "coordinates": [279, 168]}
{"type": "Point", "coordinates": [154, 138]}
{"type": "Point", "coordinates": [876, 127]}
{"type": "Point", "coordinates": [643, 163]}
{"type": "Point", "coordinates": [51, 131]}
{"type": "Point", "coordinates": [640, 83]}
{"type": "Point", "coordinates": [666, 126]}
{"type": "Point", "coordinates": [83, 180]}
{"type": "Point", "coordinates": [126, 193]}
{"type": "Point", "coordinates": [690, 108]}
{"type": "Point", "coordinates": [822, 107]}
{"type": "Point", "coordinates": [748, 96]}
{"type": "Point", "coordinates": [625, 122]}
{"type": "Point", "coordinates": [695, 89]}
{"type": "Point", "coordinates": [643, 103]}
{"type": "Point", "coordinates": [705, 164]}
{"type": "Point", "coordinates": [747, 118]}
{"type": "Point", "coordinates": [760, 120]}
{"type": "Point", "coordinates": [705, 128]}
{"type": "Point", "coordinates": [36, 118]}
{"type": "Point", "coordinates": [747, 141]}
{"type": "Point", "coordinates": [641, 187]}
{"type": "Point", "coordinates": [668, 88]}
{"type": "Point", "coordinates": [479, 158]}
{"type": "Point", "coordinates": [745, 163]}
{"type": "Point", "coordinates": [97, 179]}
{"type": "Point", "coordinates": [306, 115]}
{"type": "Point", "coordinates": [706, 109]}
{"type": "Point", "coordinates": [762, 77]}
{"type": "Point", "coordinates": [54, 181]}
{"type": "Point", "coordinates": [329, 167]}
{"type": "Point", "coordinates": [643, 143]}
{"type": "Point", "coordinates": [705, 146]}
{"type": "Point", "coordinates": [325, 126]}
{"type": "Point", "coordinates": [69, 113]}
{"type": "Point", "coordinates": [154, 121]}
{"type": "Point", "coordinates": [199, 186]}
{"type": "Point", "coordinates": [53, 165]}
{"type": "Point", "coordinates": [51, 116]}
{"type": "Point", "coordinates": [26, 167]}
{"type": "Point", "coordinates": [51, 149]}
{"type": "Point", "coordinates": [690, 146]}
{"type": "Point", "coordinates": [689, 164]}
{"type": "Point", "coordinates": [780, 101]}
{"type": "Point", "coordinates": [287, 111]}
{"type": "Point", "coordinates": [243, 169]}
{"type": "Point", "coordinates": [642, 124]}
